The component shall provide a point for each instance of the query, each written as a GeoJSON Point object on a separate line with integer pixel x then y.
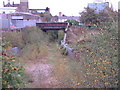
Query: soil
{"type": "Point", "coordinates": [39, 74]}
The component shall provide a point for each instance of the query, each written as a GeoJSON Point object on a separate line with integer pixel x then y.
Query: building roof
{"type": "Point", "coordinates": [8, 9]}
{"type": "Point", "coordinates": [69, 17]}
{"type": "Point", "coordinates": [24, 13]}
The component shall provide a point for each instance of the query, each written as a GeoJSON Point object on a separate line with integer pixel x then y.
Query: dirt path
{"type": "Point", "coordinates": [39, 74]}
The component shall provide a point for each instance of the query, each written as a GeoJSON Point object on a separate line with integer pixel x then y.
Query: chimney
{"type": "Point", "coordinates": [60, 13]}
{"type": "Point", "coordinates": [47, 9]}
{"type": "Point", "coordinates": [3, 3]}
{"type": "Point", "coordinates": [13, 4]}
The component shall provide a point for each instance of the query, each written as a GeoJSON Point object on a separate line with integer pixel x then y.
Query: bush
{"type": "Point", "coordinates": [12, 72]}
{"type": "Point", "coordinates": [31, 35]}
{"type": "Point", "coordinates": [35, 41]}
{"type": "Point", "coordinates": [15, 38]}
{"type": "Point", "coordinates": [53, 35]}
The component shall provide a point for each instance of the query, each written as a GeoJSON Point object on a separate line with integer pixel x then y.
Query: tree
{"type": "Point", "coordinates": [89, 16]}
{"type": "Point", "coordinates": [72, 22]}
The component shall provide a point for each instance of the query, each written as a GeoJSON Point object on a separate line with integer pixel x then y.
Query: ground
{"type": "Point", "coordinates": [42, 72]}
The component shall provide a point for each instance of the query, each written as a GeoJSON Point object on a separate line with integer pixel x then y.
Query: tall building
{"type": "Point", "coordinates": [98, 6]}
{"type": "Point", "coordinates": [22, 7]}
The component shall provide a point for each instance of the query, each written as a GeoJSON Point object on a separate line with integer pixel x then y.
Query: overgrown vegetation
{"type": "Point", "coordinates": [12, 71]}
{"type": "Point", "coordinates": [31, 42]}
{"type": "Point", "coordinates": [97, 54]}
{"type": "Point", "coordinates": [93, 64]}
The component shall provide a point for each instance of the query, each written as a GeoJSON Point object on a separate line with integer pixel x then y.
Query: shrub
{"type": "Point", "coordinates": [12, 72]}
{"type": "Point", "coordinates": [60, 36]}
{"type": "Point", "coordinates": [15, 38]}
{"type": "Point", "coordinates": [53, 35]}
{"type": "Point", "coordinates": [31, 35]}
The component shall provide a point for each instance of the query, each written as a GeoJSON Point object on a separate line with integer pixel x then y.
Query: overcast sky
{"type": "Point", "coordinates": [67, 7]}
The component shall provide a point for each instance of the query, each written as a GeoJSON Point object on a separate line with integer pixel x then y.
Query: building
{"type": "Point", "coordinates": [65, 18]}
{"type": "Point", "coordinates": [6, 10]}
{"type": "Point", "coordinates": [22, 7]}
{"type": "Point", "coordinates": [17, 15]}
{"type": "Point", "coordinates": [19, 20]}
{"type": "Point", "coordinates": [98, 6]}
{"type": "Point", "coordinates": [54, 19]}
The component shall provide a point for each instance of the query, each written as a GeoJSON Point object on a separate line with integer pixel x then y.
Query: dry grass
{"type": "Point", "coordinates": [31, 42]}
{"type": "Point", "coordinates": [15, 38]}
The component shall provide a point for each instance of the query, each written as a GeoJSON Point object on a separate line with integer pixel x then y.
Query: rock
{"type": "Point", "coordinates": [14, 50]}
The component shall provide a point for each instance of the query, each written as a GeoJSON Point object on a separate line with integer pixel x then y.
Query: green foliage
{"type": "Point", "coordinates": [31, 41]}
{"type": "Point", "coordinates": [98, 56]}
{"type": "Point", "coordinates": [73, 22]}
{"type": "Point", "coordinates": [31, 35]}
{"type": "Point", "coordinates": [12, 72]}
{"type": "Point", "coordinates": [89, 16]}
{"type": "Point", "coordinates": [107, 15]}
{"type": "Point", "coordinates": [53, 35]}
{"type": "Point", "coordinates": [14, 38]}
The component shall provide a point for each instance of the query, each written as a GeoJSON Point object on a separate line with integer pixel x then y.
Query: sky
{"type": "Point", "coordinates": [67, 7]}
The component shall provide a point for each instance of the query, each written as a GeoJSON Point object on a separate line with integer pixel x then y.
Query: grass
{"type": "Point", "coordinates": [66, 70]}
